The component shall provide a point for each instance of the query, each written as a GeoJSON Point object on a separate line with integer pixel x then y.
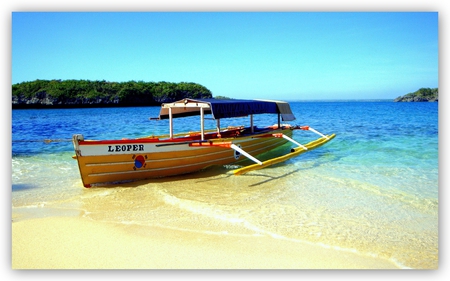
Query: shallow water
{"type": "Point", "coordinates": [371, 190]}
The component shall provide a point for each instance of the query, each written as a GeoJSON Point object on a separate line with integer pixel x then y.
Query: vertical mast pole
{"type": "Point", "coordinates": [170, 123]}
{"type": "Point", "coordinates": [202, 122]}
{"type": "Point", "coordinates": [218, 128]}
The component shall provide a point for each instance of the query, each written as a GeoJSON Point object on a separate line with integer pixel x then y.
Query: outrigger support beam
{"type": "Point", "coordinates": [240, 150]}
{"type": "Point", "coordinates": [281, 135]}
{"type": "Point", "coordinates": [308, 128]}
{"type": "Point", "coordinates": [227, 145]}
{"type": "Point", "coordinates": [296, 151]}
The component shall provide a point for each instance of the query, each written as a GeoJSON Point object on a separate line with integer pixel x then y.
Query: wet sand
{"type": "Point", "coordinates": [80, 243]}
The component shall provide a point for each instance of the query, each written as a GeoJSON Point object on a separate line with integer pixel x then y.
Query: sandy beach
{"type": "Point", "coordinates": [79, 243]}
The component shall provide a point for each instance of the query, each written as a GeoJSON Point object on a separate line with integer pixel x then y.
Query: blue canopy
{"type": "Point", "coordinates": [226, 108]}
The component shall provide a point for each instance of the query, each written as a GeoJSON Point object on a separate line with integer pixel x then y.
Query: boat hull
{"type": "Point", "coordinates": [116, 161]}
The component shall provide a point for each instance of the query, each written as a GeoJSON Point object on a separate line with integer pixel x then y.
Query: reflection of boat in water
{"type": "Point", "coordinates": [109, 161]}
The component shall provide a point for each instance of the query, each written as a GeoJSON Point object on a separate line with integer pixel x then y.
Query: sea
{"type": "Point", "coordinates": [372, 190]}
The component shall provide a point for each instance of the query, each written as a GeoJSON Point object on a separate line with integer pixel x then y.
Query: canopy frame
{"type": "Point", "coordinates": [220, 108]}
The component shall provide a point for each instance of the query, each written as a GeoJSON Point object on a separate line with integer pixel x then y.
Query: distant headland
{"type": "Point", "coordinates": [85, 93]}
{"type": "Point", "coordinates": [423, 94]}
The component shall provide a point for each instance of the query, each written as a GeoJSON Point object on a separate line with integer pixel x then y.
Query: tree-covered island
{"type": "Point", "coordinates": [423, 94]}
{"type": "Point", "coordinates": [85, 93]}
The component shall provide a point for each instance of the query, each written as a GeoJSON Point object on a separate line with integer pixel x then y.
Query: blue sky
{"type": "Point", "coordinates": [282, 55]}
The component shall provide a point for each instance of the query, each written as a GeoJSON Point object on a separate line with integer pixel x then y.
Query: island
{"type": "Point", "coordinates": [421, 95]}
{"type": "Point", "coordinates": [86, 93]}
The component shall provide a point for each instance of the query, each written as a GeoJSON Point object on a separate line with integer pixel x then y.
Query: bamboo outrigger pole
{"type": "Point", "coordinates": [294, 152]}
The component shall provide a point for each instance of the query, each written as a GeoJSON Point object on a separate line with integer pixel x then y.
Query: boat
{"type": "Point", "coordinates": [123, 160]}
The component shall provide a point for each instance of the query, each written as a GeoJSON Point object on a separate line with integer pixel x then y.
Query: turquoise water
{"type": "Point", "coordinates": [372, 190]}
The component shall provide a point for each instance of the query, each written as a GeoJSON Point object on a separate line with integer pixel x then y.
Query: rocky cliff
{"type": "Point", "coordinates": [421, 95]}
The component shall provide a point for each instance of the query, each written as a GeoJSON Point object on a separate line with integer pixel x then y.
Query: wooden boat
{"type": "Point", "coordinates": [121, 160]}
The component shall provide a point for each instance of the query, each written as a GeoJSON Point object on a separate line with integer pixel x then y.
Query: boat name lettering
{"type": "Point", "coordinates": [128, 147]}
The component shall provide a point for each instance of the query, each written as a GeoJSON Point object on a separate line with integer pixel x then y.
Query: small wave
{"type": "Point", "coordinates": [210, 211]}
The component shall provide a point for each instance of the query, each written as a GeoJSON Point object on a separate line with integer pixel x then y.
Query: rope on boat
{"type": "Point", "coordinates": [45, 140]}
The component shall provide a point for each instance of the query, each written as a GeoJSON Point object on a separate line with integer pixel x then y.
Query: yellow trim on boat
{"type": "Point", "coordinates": [297, 151]}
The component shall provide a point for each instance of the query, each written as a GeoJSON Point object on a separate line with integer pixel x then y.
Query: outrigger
{"type": "Point", "coordinates": [121, 160]}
